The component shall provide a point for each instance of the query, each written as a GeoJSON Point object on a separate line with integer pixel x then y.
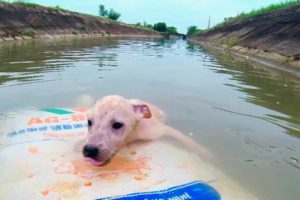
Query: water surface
{"type": "Point", "coordinates": [247, 114]}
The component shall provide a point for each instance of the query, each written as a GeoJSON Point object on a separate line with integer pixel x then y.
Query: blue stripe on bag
{"type": "Point", "coordinates": [194, 190]}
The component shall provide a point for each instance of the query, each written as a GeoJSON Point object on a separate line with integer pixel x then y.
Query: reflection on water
{"type": "Point", "coordinates": [270, 88]}
{"type": "Point", "coordinates": [20, 66]}
{"type": "Point", "coordinates": [239, 110]}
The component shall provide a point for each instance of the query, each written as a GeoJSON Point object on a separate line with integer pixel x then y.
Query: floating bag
{"type": "Point", "coordinates": [40, 159]}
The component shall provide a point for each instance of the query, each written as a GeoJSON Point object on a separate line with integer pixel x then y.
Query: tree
{"type": "Point", "coordinates": [160, 27]}
{"type": "Point", "coordinates": [172, 29]}
{"type": "Point", "coordinates": [192, 30]}
{"type": "Point", "coordinates": [102, 11]}
{"type": "Point", "coordinates": [146, 25]}
{"type": "Point", "coordinates": [138, 24]}
{"type": "Point", "coordinates": [114, 15]}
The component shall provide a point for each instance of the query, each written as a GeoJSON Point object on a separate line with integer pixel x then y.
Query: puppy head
{"type": "Point", "coordinates": [111, 123]}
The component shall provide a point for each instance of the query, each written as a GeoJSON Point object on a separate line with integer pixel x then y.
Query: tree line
{"type": "Point", "coordinates": [160, 26]}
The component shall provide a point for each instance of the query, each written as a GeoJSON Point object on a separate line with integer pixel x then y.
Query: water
{"type": "Point", "coordinates": [247, 114]}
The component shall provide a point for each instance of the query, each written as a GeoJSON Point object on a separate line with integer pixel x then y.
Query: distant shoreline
{"type": "Point", "coordinates": [20, 22]}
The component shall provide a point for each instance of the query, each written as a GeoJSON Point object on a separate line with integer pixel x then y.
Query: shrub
{"type": "Point", "coordinates": [230, 42]}
{"type": "Point", "coordinates": [111, 14]}
{"type": "Point", "coordinates": [144, 25]}
{"type": "Point", "coordinates": [57, 8]}
{"type": "Point", "coordinates": [192, 30]}
{"type": "Point", "coordinates": [28, 32]}
{"type": "Point", "coordinates": [139, 24]}
{"type": "Point", "coordinates": [28, 4]}
{"type": "Point", "coordinates": [172, 30]}
{"type": "Point", "coordinates": [114, 15]}
{"type": "Point", "coordinates": [160, 27]}
{"type": "Point", "coordinates": [75, 33]}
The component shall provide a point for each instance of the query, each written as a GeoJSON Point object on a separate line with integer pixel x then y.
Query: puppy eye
{"type": "Point", "coordinates": [89, 122]}
{"type": "Point", "coordinates": [117, 125]}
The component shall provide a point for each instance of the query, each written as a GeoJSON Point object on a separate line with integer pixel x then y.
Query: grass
{"type": "Point", "coordinates": [253, 13]}
{"type": "Point", "coordinates": [75, 32]}
{"type": "Point", "coordinates": [28, 32]}
{"type": "Point", "coordinates": [33, 5]}
{"type": "Point", "coordinates": [272, 7]}
{"type": "Point", "coordinates": [230, 42]}
{"type": "Point", "coordinates": [28, 4]}
{"type": "Point", "coordinates": [56, 8]}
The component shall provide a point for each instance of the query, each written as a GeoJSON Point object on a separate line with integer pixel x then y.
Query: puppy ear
{"type": "Point", "coordinates": [142, 110]}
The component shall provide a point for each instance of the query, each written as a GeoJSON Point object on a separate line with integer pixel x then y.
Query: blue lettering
{"type": "Point", "coordinates": [43, 128]}
{"type": "Point", "coordinates": [30, 130]}
{"type": "Point", "coordinates": [22, 131]}
{"type": "Point", "coordinates": [67, 127]}
{"type": "Point", "coordinates": [56, 128]}
{"type": "Point", "coordinates": [12, 134]}
{"type": "Point", "coordinates": [77, 125]}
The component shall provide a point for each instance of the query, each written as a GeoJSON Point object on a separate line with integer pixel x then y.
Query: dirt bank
{"type": "Point", "coordinates": [273, 36]}
{"type": "Point", "coordinates": [22, 22]}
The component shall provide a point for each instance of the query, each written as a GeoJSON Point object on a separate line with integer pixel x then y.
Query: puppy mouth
{"type": "Point", "coordinates": [94, 161]}
{"type": "Point", "coordinates": [98, 162]}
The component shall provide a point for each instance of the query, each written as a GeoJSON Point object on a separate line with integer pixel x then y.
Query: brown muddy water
{"type": "Point", "coordinates": [246, 114]}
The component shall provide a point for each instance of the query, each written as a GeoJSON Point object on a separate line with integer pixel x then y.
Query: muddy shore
{"type": "Point", "coordinates": [19, 22]}
{"type": "Point", "coordinates": [274, 36]}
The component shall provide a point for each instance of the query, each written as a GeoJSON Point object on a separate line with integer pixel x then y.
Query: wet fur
{"type": "Point", "coordinates": [136, 126]}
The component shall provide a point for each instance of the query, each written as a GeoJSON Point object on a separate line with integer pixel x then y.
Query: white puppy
{"type": "Point", "coordinates": [115, 121]}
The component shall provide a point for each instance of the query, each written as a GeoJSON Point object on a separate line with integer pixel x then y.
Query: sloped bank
{"type": "Point", "coordinates": [24, 22]}
{"type": "Point", "coordinates": [274, 36]}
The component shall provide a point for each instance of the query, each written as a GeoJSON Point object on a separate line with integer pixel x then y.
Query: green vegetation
{"type": "Point", "coordinates": [75, 32]}
{"type": "Point", "coordinates": [57, 8]}
{"type": "Point", "coordinates": [160, 27]}
{"type": "Point", "coordinates": [192, 30]}
{"type": "Point", "coordinates": [144, 25]}
{"type": "Point", "coordinates": [33, 5]}
{"type": "Point", "coordinates": [172, 30]}
{"type": "Point", "coordinates": [111, 14]}
{"type": "Point", "coordinates": [102, 11]}
{"type": "Point", "coordinates": [163, 28]}
{"type": "Point", "coordinates": [28, 4]}
{"type": "Point", "coordinates": [28, 32]}
{"type": "Point", "coordinates": [264, 10]}
{"type": "Point", "coordinates": [149, 26]}
{"type": "Point", "coordinates": [3, 2]}
{"type": "Point", "coordinates": [230, 42]}
{"type": "Point", "coordinates": [272, 7]}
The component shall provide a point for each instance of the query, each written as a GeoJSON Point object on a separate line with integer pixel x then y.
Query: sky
{"type": "Point", "coordinates": [178, 13]}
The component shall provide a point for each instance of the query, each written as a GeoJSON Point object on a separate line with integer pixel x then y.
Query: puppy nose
{"type": "Point", "coordinates": [90, 151]}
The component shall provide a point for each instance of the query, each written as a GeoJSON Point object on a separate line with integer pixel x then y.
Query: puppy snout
{"type": "Point", "coordinates": [90, 151]}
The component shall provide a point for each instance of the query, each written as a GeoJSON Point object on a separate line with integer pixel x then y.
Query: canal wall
{"type": "Point", "coordinates": [274, 36]}
{"type": "Point", "coordinates": [19, 22]}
